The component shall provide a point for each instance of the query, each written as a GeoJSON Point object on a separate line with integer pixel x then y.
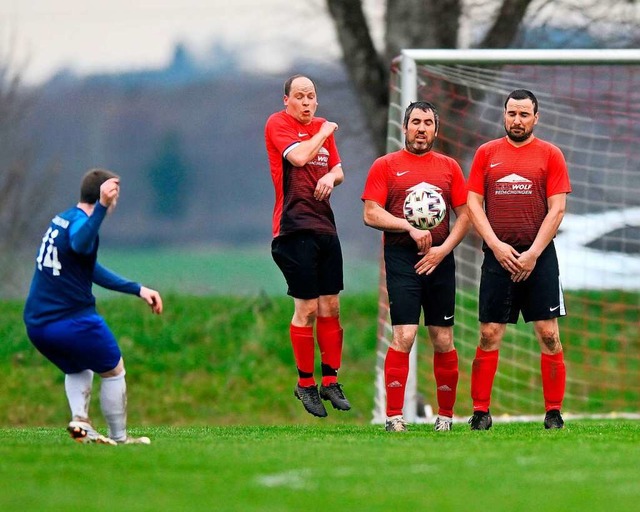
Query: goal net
{"type": "Point", "coordinates": [590, 108]}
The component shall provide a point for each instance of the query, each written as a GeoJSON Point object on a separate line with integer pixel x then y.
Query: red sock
{"type": "Point", "coordinates": [483, 371]}
{"type": "Point", "coordinates": [554, 375]}
{"type": "Point", "coordinates": [303, 352]}
{"type": "Point", "coordinates": [396, 371]}
{"type": "Point", "coordinates": [445, 370]}
{"type": "Point", "coordinates": [330, 335]}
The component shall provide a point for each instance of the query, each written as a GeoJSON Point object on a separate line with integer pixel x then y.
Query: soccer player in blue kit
{"type": "Point", "coordinates": [60, 312]}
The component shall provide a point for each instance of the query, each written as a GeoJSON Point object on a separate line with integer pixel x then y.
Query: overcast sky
{"type": "Point", "coordinates": [108, 35]}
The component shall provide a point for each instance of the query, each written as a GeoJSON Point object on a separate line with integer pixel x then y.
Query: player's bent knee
{"type": "Point", "coordinates": [118, 370]}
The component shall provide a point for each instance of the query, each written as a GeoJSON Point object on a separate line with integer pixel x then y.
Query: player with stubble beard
{"type": "Point", "coordinates": [518, 188]}
{"type": "Point", "coordinates": [419, 264]}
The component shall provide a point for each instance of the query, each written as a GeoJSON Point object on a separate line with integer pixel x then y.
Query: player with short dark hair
{"type": "Point", "coordinates": [522, 182]}
{"type": "Point", "coordinates": [420, 267]}
{"type": "Point", "coordinates": [60, 311]}
{"type": "Point", "coordinates": [305, 169]}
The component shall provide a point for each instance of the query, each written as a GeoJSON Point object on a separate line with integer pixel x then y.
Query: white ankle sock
{"type": "Point", "coordinates": [113, 401]}
{"type": "Point", "coordinates": [78, 389]}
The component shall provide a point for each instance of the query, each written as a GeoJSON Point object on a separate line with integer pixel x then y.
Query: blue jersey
{"type": "Point", "coordinates": [66, 268]}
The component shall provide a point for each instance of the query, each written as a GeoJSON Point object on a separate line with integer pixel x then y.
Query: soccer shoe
{"type": "Point", "coordinates": [134, 440]}
{"type": "Point", "coordinates": [333, 393]}
{"type": "Point", "coordinates": [443, 424]}
{"type": "Point", "coordinates": [310, 398]}
{"type": "Point", "coordinates": [395, 424]}
{"type": "Point", "coordinates": [83, 432]}
{"type": "Point", "coordinates": [481, 420]}
{"type": "Point", "coordinates": [553, 419]}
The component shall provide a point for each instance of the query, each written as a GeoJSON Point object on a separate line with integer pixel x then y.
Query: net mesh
{"type": "Point", "coordinates": [592, 112]}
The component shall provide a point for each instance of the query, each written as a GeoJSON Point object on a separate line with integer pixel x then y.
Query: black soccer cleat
{"type": "Point", "coordinates": [333, 393]}
{"type": "Point", "coordinates": [481, 420]}
{"type": "Point", "coordinates": [553, 419]}
{"type": "Point", "coordinates": [311, 400]}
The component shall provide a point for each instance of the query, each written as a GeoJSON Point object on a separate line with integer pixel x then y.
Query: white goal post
{"type": "Point", "coordinates": [590, 108]}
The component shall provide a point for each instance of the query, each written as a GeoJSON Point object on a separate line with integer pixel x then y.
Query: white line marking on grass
{"type": "Point", "coordinates": [303, 478]}
{"type": "Point", "coordinates": [294, 479]}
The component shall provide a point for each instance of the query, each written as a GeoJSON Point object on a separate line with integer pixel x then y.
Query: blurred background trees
{"type": "Point", "coordinates": [24, 189]}
{"type": "Point", "coordinates": [450, 24]}
{"type": "Point", "coordinates": [187, 138]}
{"type": "Point", "coordinates": [168, 175]}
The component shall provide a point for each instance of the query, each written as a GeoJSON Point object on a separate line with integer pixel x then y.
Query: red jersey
{"type": "Point", "coordinates": [515, 183]}
{"type": "Point", "coordinates": [295, 208]}
{"type": "Point", "coordinates": [392, 175]}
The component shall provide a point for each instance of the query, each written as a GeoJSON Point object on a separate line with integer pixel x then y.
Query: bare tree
{"type": "Point", "coordinates": [438, 24]}
{"type": "Point", "coordinates": [23, 191]}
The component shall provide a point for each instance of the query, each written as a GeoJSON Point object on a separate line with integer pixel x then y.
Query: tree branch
{"type": "Point", "coordinates": [364, 66]}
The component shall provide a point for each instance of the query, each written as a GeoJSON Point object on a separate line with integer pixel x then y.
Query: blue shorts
{"type": "Point", "coordinates": [77, 344]}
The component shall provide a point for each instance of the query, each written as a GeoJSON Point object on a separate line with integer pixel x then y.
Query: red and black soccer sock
{"type": "Point", "coordinates": [445, 370]}
{"type": "Point", "coordinates": [483, 372]}
{"type": "Point", "coordinates": [303, 352]}
{"type": "Point", "coordinates": [396, 372]}
{"type": "Point", "coordinates": [330, 340]}
{"type": "Point", "coordinates": [554, 375]}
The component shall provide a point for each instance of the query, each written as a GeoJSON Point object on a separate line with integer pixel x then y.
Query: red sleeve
{"type": "Point", "coordinates": [334, 156]}
{"type": "Point", "coordinates": [558, 178]}
{"type": "Point", "coordinates": [376, 188]}
{"type": "Point", "coordinates": [458, 187]}
{"type": "Point", "coordinates": [281, 133]}
{"type": "Point", "coordinates": [476, 175]}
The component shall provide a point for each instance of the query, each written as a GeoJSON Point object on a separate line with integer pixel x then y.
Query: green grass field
{"type": "Point", "coordinates": [589, 466]}
{"type": "Point", "coordinates": [211, 382]}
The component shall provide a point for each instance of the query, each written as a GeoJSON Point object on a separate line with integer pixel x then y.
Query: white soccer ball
{"type": "Point", "coordinates": [424, 208]}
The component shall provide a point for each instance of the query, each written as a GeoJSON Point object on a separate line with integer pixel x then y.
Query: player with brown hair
{"type": "Point", "coordinates": [420, 267]}
{"type": "Point", "coordinates": [60, 312]}
{"type": "Point", "coordinates": [523, 183]}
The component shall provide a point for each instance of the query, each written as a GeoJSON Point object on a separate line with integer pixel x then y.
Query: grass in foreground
{"type": "Point", "coordinates": [590, 465]}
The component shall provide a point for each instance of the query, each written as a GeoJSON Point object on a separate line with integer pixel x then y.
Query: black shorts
{"type": "Point", "coordinates": [539, 297]}
{"type": "Point", "coordinates": [311, 263]}
{"type": "Point", "coordinates": [411, 293]}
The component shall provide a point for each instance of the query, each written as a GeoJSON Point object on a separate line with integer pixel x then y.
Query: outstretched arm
{"type": "Point", "coordinates": [152, 298]}
{"type": "Point", "coordinates": [108, 279]}
{"type": "Point", "coordinates": [104, 277]}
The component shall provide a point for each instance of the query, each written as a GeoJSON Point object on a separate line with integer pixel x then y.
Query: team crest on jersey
{"type": "Point", "coordinates": [424, 185]}
{"type": "Point", "coordinates": [322, 158]}
{"type": "Point", "coordinates": [513, 185]}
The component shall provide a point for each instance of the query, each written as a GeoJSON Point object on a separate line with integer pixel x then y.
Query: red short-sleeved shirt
{"type": "Point", "coordinates": [295, 208]}
{"type": "Point", "coordinates": [515, 183]}
{"type": "Point", "coordinates": [392, 175]}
